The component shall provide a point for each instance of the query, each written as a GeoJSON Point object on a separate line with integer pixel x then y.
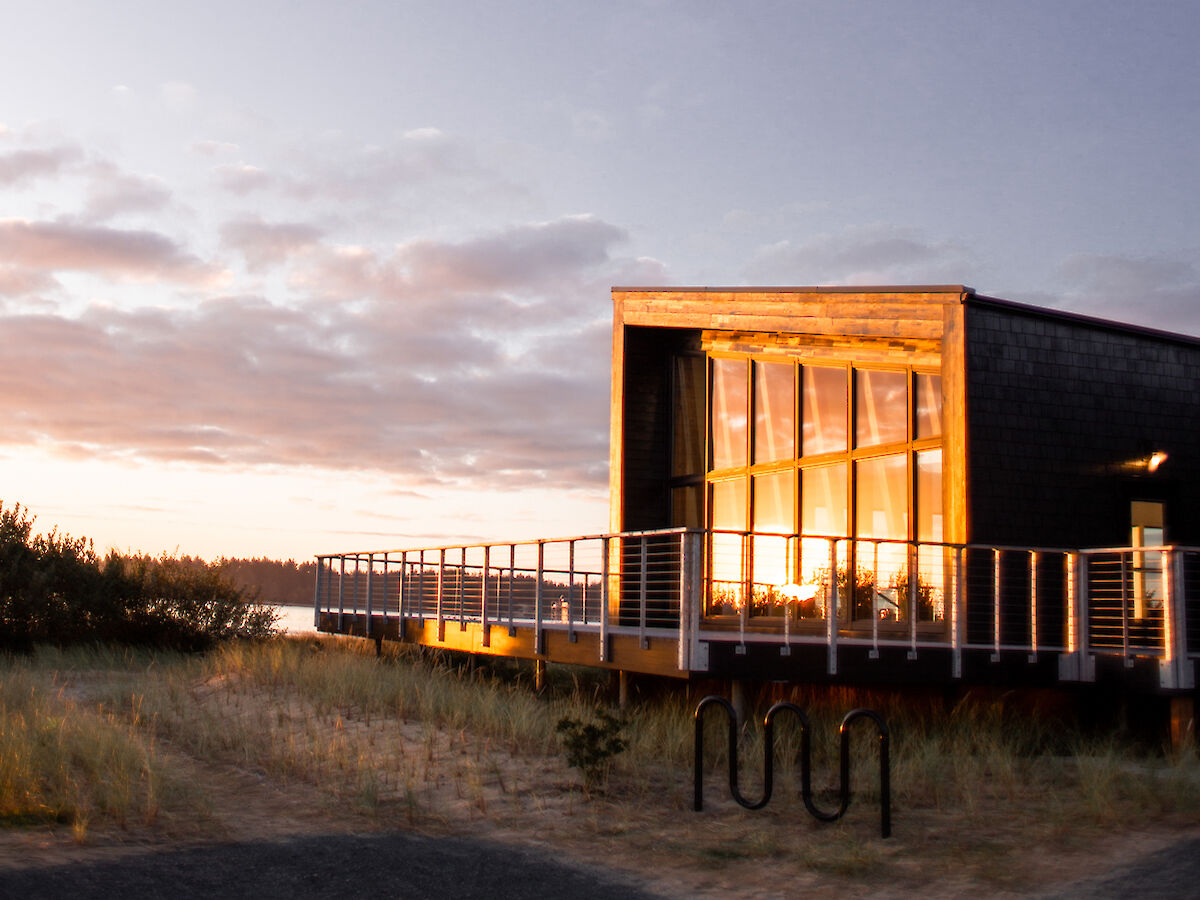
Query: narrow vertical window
{"type": "Point", "coordinates": [727, 502]}
{"type": "Point", "coordinates": [824, 414]}
{"type": "Point", "coordinates": [823, 515]}
{"type": "Point", "coordinates": [880, 407]}
{"type": "Point", "coordinates": [774, 524]}
{"type": "Point", "coordinates": [881, 512]}
{"type": "Point", "coordinates": [687, 457]}
{"type": "Point", "coordinates": [774, 412]}
{"type": "Point", "coordinates": [729, 413]}
{"type": "Point", "coordinates": [932, 569]}
{"type": "Point", "coordinates": [928, 405]}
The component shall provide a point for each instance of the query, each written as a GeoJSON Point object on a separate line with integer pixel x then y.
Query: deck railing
{"type": "Point", "coordinates": [712, 586]}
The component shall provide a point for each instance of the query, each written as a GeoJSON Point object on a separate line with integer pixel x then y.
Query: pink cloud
{"type": "Point", "coordinates": [264, 244]}
{"type": "Point", "coordinates": [122, 254]}
{"type": "Point", "coordinates": [20, 166]}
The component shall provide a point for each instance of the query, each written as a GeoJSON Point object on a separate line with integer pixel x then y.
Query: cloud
{"type": "Point", "coordinates": [265, 244]}
{"type": "Point", "coordinates": [867, 254]}
{"type": "Point", "coordinates": [16, 281]}
{"type": "Point", "coordinates": [121, 254]}
{"type": "Point", "coordinates": [524, 255]}
{"type": "Point", "coordinates": [19, 167]}
{"type": "Point", "coordinates": [1150, 291]}
{"type": "Point", "coordinates": [482, 361]}
{"type": "Point", "coordinates": [113, 192]}
{"type": "Point", "coordinates": [243, 178]}
{"type": "Point", "coordinates": [214, 148]}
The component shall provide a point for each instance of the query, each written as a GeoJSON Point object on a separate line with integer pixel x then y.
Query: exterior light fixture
{"type": "Point", "coordinates": [1157, 458]}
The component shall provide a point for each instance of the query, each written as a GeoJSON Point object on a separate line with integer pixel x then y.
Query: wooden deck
{"type": "Point", "coordinates": [635, 602]}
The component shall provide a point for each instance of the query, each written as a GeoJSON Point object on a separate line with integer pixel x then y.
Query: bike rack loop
{"type": "Point", "coordinates": [885, 789]}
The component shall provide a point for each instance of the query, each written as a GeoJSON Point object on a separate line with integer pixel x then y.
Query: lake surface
{"type": "Point", "coordinates": [295, 619]}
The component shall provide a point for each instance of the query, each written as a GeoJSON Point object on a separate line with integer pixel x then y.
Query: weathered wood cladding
{"type": "Point", "coordinates": [896, 313]}
{"type": "Point", "coordinates": [1060, 410]}
{"type": "Point", "coordinates": [902, 351]}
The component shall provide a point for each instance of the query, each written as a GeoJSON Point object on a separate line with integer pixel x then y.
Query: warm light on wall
{"type": "Point", "coordinates": [1157, 458]}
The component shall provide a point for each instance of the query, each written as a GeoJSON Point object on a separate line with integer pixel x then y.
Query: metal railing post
{"type": "Point", "coordinates": [342, 594]}
{"type": "Point", "coordinates": [605, 547]}
{"type": "Point", "coordinates": [1033, 604]}
{"type": "Point", "coordinates": [1176, 671]}
{"type": "Point", "coordinates": [441, 589]}
{"type": "Point", "coordinates": [957, 613]}
{"type": "Point", "coordinates": [486, 636]}
{"type": "Point", "coordinates": [642, 641]}
{"type": "Point", "coordinates": [317, 592]}
{"type": "Point", "coordinates": [539, 646]}
{"type": "Point", "coordinates": [831, 624]}
{"type": "Point", "coordinates": [571, 591]}
{"type": "Point", "coordinates": [370, 587]}
{"type": "Point", "coordinates": [996, 605]}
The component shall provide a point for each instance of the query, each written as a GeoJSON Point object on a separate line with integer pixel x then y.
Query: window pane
{"type": "Point", "coordinates": [688, 455]}
{"type": "Point", "coordinates": [824, 414]}
{"type": "Point", "coordinates": [773, 502]}
{"type": "Point", "coordinates": [686, 506]}
{"type": "Point", "coordinates": [729, 413]}
{"type": "Point", "coordinates": [929, 495]}
{"type": "Point", "coordinates": [823, 512]}
{"type": "Point", "coordinates": [881, 511]}
{"type": "Point", "coordinates": [929, 405]}
{"type": "Point", "coordinates": [774, 412]}
{"type": "Point", "coordinates": [728, 506]}
{"type": "Point", "coordinates": [882, 498]}
{"type": "Point", "coordinates": [823, 506]}
{"type": "Point", "coordinates": [880, 407]}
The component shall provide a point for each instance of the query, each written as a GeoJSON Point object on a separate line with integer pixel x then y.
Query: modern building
{"type": "Point", "coordinates": [868, 484]}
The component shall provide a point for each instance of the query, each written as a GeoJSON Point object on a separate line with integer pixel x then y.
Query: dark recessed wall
{"type": "Point", "coordinates": [646, 454]}
{"type": "Point", "coordinates": [1056, 408]}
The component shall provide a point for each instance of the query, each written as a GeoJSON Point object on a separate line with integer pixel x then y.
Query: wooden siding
{"type": "Point", "coordinates": [880, 312]}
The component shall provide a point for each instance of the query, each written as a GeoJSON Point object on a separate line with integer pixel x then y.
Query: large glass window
{"type": "Point", "coordinates": [824, 414]}
{"type": "Point", "coordinates": [774, 412]}
{"type": "Point", "coordinates": [797, 508]}
{"type": "Point", "coordinates": [880, 407]}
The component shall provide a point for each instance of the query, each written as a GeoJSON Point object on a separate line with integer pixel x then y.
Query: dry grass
{"type": "Point", "coordinates": [95, 739]}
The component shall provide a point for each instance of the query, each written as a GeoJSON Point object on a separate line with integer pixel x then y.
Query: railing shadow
{"type": "Point", "coordinates": [885, 791]}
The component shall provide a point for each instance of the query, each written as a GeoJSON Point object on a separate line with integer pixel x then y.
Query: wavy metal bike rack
{"type": "Point", "coordinates": [885, 780]}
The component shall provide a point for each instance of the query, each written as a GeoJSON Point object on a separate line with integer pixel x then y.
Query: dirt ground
{"type": "Point", "coordinates": [526, 811]}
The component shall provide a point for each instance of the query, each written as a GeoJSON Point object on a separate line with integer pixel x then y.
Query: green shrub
{"type": "Point", "coordinates": [55, 589]}
{"type": "Point", "coordinates": [590, 746]}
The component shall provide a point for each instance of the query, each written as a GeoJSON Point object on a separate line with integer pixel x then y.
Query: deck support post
{"type": "Point", "coordinates": [737, 697]}
{"type": "Point", "coordinates": [1183, 723]}
{"type": "Point", "coordinates": [623, 680]}
{"type": "Point", "coordinates": [539, 675]}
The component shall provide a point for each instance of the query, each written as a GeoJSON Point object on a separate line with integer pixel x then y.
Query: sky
{"type": "Point", "coordinates": [288, 278]}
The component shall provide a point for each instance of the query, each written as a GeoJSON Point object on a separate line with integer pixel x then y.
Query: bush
{"type": "Point", "coordinates": [591, 745]}
{"type": "Point", "coordinates": [55, 589]}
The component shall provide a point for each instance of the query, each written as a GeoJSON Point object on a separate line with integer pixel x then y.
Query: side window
{"type": "Point", "coordinates": [1146, 531]}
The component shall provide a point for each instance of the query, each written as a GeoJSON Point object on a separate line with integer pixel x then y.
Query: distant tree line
{"type": "Point", "coordinates": [273, 581]}
{"type": "Point", "coordinates": [55, 589]}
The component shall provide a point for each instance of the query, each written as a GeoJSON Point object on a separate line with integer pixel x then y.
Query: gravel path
{"type": "Point", "coordinates": [336, 866]}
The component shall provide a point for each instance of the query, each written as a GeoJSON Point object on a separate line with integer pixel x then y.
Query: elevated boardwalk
{"type": "Point", "coordinates": [648, 602]}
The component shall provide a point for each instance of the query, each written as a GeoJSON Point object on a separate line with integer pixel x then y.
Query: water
{"type": "Point", "coordinates": [295, 619]}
